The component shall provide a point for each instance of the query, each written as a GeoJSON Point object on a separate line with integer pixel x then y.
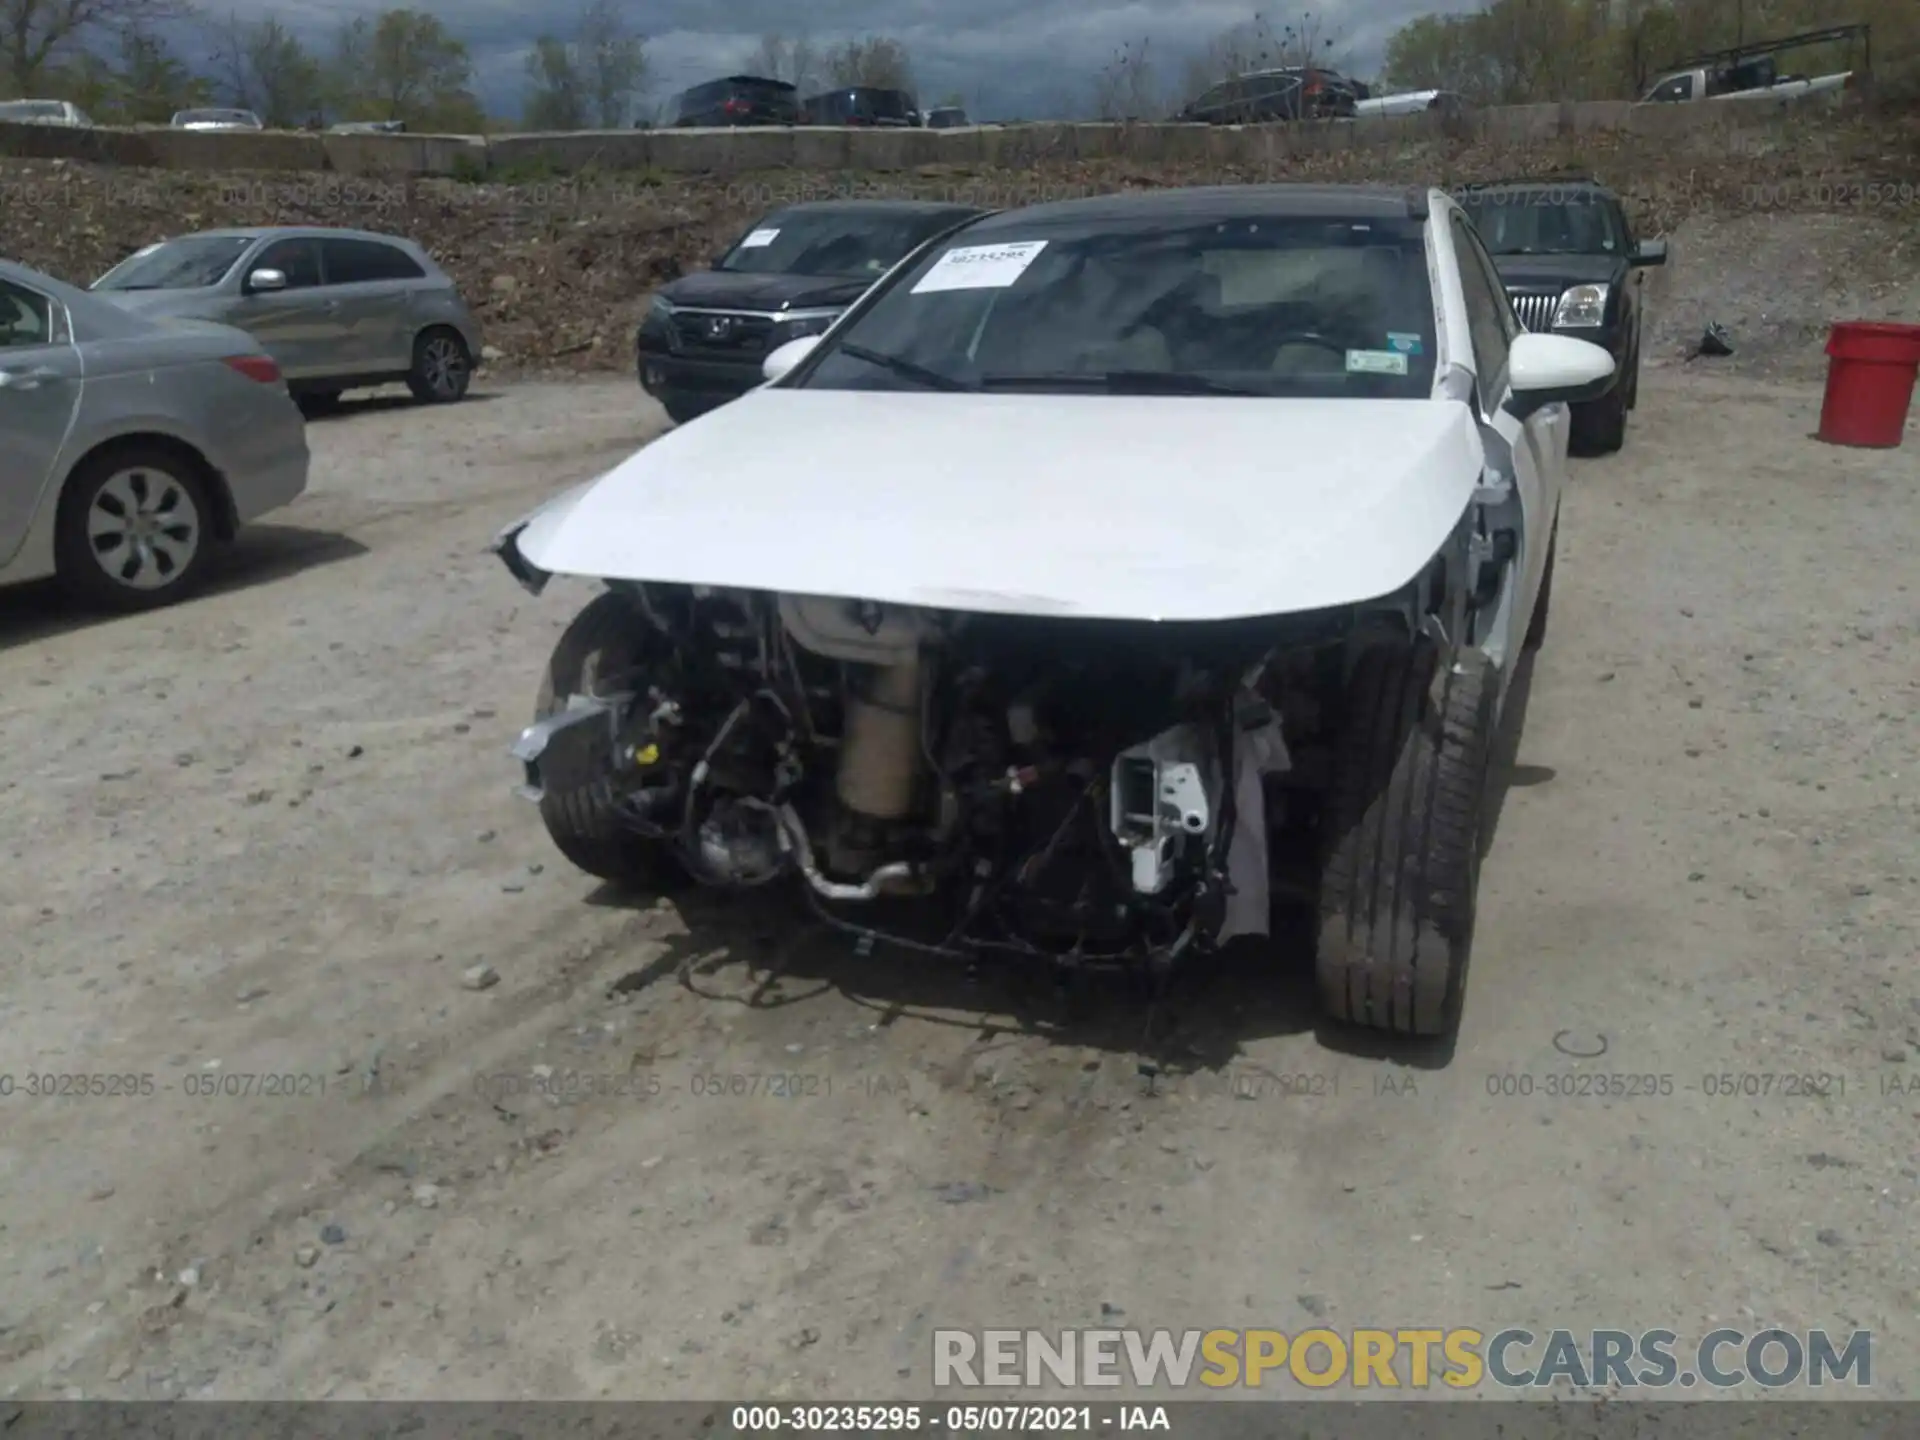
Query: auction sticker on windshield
{"type": "Point", "coordinates": [1376, 362]}
{"type": "Point", "coordinates": [980, 267]}
{"type": "Point", "coordinates": [758, 239]}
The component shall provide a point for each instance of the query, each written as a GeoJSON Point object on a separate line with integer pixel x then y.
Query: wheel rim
{"type": "Point", "coordinates": [143, 528]}
{"type": "Point", "coordinates": [444, 364]}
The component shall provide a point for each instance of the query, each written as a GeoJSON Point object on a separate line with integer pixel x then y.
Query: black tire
{"type": "Point", "coordinates": [442, 368]}
{"type": "Point", "coordinates": [1537, 626]}
{"type": "Point", "coordinates": [1402, 858]}
{"type": "Point", "coordinates": [1600, 427]}
{"type": "Point", "coordinates": [607, 638]}
{"type": "Point", "coordinates": [1633, 383]}
{"type": "Point", "coordinates": [177, 522]}
{"type": "Point", "coordinates": [681, 408]}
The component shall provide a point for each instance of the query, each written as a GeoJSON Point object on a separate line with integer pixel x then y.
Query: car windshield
{"type": "Point", "coordinates": [33, 110]}
{"type": "Point", "coordinates": [1250, 305]}
{"type": "Point", "coordinates": [186, 264]}
{"type": "Point", "coordinates": [1546, 224]}
{"type": "Point", "coordinates": [829, 244]}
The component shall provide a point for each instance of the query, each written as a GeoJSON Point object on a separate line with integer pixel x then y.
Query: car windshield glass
{"type": "Point", "coordinates": [850, 245]}
{"type": "Point", "coordinates": [188, 264]}
{"type": "Point", "coordinates": [1262, 305]}
{"type": "Point", "coordinates": [32, 110]}
{"type": "Point", "coordinates": [1546, 224]}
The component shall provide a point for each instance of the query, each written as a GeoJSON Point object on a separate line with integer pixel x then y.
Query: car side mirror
{"type": "Point", "coordinates": [1545, 370]}
{"type": "Point", "coordinates": [265, 280]}
{"type": "Point", "coordinates": [1650, 252]}
{"type": "Point", "coordinates": [785, 357]}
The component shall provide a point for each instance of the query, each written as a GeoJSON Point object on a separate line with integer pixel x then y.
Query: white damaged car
{"type": "Point", "coordinates": [1113, 570]}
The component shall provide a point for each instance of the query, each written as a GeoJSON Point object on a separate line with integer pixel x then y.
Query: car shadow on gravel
{"type": "Point", "coordinates": [378, 404]}
{"type": "Point", "coordinates": [772, 950]}
{"type": "Point", "coordinates": [264, 553]}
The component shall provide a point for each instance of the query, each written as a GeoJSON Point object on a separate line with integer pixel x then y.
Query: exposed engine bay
{"type": "Point", "coordinates": [1087, 792]}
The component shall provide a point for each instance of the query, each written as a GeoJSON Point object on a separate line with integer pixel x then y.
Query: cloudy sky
{"type": "Point", "coordinates": [1027, 58]}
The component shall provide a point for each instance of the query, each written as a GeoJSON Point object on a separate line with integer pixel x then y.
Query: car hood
{"type": "Point", "coordinates": [725, 288]}
{"type": "Point", "coordinates": [1137, 508]}
{"type": "Point", "coordinates": [1546, 271]}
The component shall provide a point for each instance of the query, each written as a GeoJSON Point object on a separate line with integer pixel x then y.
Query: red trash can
{"type": "Point", "coordinates": [1869, 383]}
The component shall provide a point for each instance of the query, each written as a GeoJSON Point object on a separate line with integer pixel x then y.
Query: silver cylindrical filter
{"type": "Point", "coordinates": [880, 751]}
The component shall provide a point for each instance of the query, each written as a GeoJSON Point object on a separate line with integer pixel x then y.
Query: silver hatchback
{"type": "Point", "coordinates": [337, 309]}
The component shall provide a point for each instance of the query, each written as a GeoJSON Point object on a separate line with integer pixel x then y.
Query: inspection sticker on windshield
{"type": "Point", "coordinates": [1404, 343]}
{"type": "Point", "coordinates": [759, 238]}
{"type": "Point", "coordinates": [980, 267]}
{"type": "Point", "coordinates": [1376, 362]}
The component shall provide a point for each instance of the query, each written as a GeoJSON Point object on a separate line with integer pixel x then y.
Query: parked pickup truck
{"type": "Point", "coordinates": [1751, 72]}
{"type": "Point", "coordinates": [1705, 83]}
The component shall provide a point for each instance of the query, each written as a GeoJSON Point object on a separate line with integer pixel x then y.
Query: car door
{"type": "Point", "coordinates": [370, 285]}
{"type": "Point", "coordinates": [1633, 288]}
{"type": "Point", "coordinates": [40, 387]}
{"type": "Point", "coordinates": [1538, 445]}
{"type": "Point", "coordinates": [294, 325]}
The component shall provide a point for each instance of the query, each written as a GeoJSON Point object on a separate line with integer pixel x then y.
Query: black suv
{"type": "Point", "coordinates": [791, 275]}
{"type": "Point", "coordinates": [1292, 92]}
{"type": "Point", "coordinates": [1572, 267]}
{"type": "Point", "coordinates": [738, 100]}
{"type": "Point", "coordinates": [861, 105]}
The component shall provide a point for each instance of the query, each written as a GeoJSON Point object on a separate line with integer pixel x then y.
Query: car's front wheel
{"type": "Point", "coordinates": [442, 368]}
{"type": "Point", "coordinates": [602, 647]}
{"type": "Point", "coordinates": [1600, 426]}
{"type": "Point", "coordinates": [135, 529]}
{"type": "Point", "coordinates": [1401, 862]}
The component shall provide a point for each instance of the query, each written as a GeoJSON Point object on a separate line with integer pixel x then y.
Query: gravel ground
{"type": "Point", "coordinates": [271, 834]}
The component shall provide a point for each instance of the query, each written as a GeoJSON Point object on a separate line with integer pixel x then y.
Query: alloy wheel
{"type": "Point", "coordinates": [143, 528]}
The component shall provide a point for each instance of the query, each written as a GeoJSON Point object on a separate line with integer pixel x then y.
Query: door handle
{"type": "Point", "coordinates": [27, 379]}
{"type": "Point", "coordinates": [333, 307]}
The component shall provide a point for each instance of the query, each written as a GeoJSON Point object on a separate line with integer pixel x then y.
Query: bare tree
{"type": "Point", "coordinates": [877, 60]}
{"type": "Point", "coordinates": [1259, 44]}
{"type": "Point", "coordinates": [37, 33]}
{"type": "Point", "coordinates": [263, 66]}
{"type": "Point", "coordinates": [794, 61]}
{"type": "Point", "coordinates": [1127, 87]}
{"type": "Point", "coordinates": [596, 79]}
{"type": "Point", "coordinates": [404, 65]}
{"type": "Point", "coordinates": [144, 83]}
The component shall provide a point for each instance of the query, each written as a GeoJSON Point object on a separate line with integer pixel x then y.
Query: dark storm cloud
{"type": "Point", "coordinates": [1029, 58]}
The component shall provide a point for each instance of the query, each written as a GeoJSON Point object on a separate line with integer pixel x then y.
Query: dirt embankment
{"type": "Point", "coordinates": [559, 268]}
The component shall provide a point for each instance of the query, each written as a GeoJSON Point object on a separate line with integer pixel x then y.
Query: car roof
{"type": "Point", "coordinates": [293, 232]}
{"type": "Point", "coordinates": [853, 208]}
{"type": "Point", "coordinates": [1306, 202]}
{"type": "Point", "coordinates": [739, 80]}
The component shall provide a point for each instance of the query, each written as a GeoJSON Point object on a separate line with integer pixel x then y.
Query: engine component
{"type": "Point", "coordinates": [880, 747]}
{"type": "Point", "coordinates": [592, 719]}
{"type": "Point", "coordinates": [739, 844]}
{"type": "Point", "coordinates": [1160, 804]}
{"type": "Point", "coordinates": [898, 878]}
{"type": "Point", "coordinates": [857, 631]}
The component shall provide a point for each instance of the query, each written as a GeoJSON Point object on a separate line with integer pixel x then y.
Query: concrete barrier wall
{"type": "Point", "coordinates": [808, 148]}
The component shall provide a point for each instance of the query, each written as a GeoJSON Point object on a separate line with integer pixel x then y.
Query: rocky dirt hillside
{"type": "Point", "coordinates": [560, 268]}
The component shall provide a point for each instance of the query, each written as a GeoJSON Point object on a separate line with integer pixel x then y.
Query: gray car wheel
{"type": "Point", "coordinates": [134, 530]}
{"type": "Point", "coordinates": [442, 368]}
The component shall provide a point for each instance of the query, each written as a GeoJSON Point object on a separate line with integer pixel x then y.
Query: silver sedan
{"type": "Point", "coordinates": [128, 445]}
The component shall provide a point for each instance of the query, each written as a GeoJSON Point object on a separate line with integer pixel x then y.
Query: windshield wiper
{"type": "Point", "coordinates": [932, 379]}
{"type": "Point", "coordinates": [1119, 382]}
